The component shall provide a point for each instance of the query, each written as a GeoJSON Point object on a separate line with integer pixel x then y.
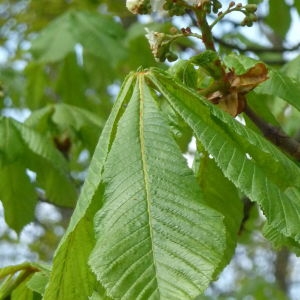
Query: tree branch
{"type": "Point", "coordinates": [275, 134]}
{"type": "Point", "coordinates": [257, 49]}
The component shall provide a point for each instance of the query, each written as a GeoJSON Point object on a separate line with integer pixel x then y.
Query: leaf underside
{"type": "Point", "coordinates": [252, 163]}
{"type": "Point", "coordinates": [155, 237]}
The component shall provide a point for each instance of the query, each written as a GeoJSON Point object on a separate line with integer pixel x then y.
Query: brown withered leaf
{"type": "Point", "coordinates": [249, 80]}
{"type": "Point", "coordinates": [232, 96]}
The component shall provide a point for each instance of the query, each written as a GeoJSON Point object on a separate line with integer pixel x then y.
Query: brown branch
{"type": "Point", "coordinates": [281, 269]}
{"type": "Point", "coordinates": [257, 49]}
{"type": "Point", "coordinates": [275, 134]}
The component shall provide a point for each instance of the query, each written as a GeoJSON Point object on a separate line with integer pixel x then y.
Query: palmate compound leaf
{"type": "Point", "coordinates": [71, 277]}
{"type": "Point", "coordinates": [254, 165]}
{"type": "Point", "coordinates": [156, 239]}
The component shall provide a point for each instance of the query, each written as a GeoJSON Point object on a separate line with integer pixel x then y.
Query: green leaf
{"type": "Point", "coordinates": [64, 117]}
{"type": "Point", "coordinates": [36, 84]}
{"type": "Point", "coordinates": [85, 123]}
{"type": "Point", "coordinates": [281, 86]}
{"type": "Point", "coordinates": [156, 239]}
{"type": "Point", "coordinates": [222, 195]}
{"type": "Point", "coordinates": [71, 83]}
{"type": "Point", "coordinates": [254, 165]}
{"type": "Point", "coordinates": [279, 17]}
{"type": "Point", "coordinates": [91, 30]}
{"type": "Point", "coordinates": [38, 281]}
{"type": "Point", "coordinates": [239, 63]}
{"type": "Point", "coordinates": [17, 195]}
{"type": "Point", "coordinates": [22, 148]}
{"type": "Point", "coordinates": [292, 68]}
{"type": "Point", "coordinates": [14, 286]}
{"type": "Point", "coordinates": [70, 269]}
{"type": "Point", "coordinates": [50, 166]}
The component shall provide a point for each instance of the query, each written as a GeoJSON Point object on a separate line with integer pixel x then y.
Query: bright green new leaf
{"type": "Point", "coordinates": [156, 239]}
{"type": "Point", "coordinates": [14, 281]}
{"type": "Point", "coordinates": [98, 34]}
{"type": "Point", "coordinates": [67, 277]}
{"type": "Point", "coordinates": [254, 165]}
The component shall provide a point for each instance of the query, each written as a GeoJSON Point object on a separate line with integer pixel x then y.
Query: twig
{"type": "Point", "coordinates": [257, 49]}
{"type": "Point", "coordinates": [275, 134]}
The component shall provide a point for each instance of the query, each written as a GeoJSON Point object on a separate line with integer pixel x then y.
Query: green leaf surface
{"type": "Point", "coordinates": [17, 194]}
{"type": "Point", "coordinates": [72, 83]}
{"type": "Point", "coordinates": [66, 277]}
{"type": "Point", "coordinates": [222, 195]}
{"type": "Point", "coordinates": [36, 85]}
{"type": "Point", "coordinates": [282, 86]}
{"type": "Point", "coordinates": [98, 34]}
{"type": "Point", "coordinates": [22, 149]}
{"type": "Point", "coordinates": [239, 63]}
{"type": "Point", "coordinates": [279, 17]}
{"type": "Point", "coordinates": [15, 278]}
{"type": "Point", "coordinates": [255, 166]}
{"type": "Point", "coordinates": [50, 166]}
{"type": "Point", "coordinates": [292, 68]}
{"type": "Point", "coordinates": [156, 239]}
{"type": "Point", "coordinates": [72, 279]}
{"type": "Point", "coordinates": [38, 282]}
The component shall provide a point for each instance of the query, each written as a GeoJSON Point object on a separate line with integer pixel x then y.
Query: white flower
{"type": "Point", "coordinates": [155, 40]}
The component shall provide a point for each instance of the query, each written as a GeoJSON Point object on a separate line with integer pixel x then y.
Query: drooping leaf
{"type": "Point", "coordinates": [91, 30]}
{"type": "Point", "coordinates": [222, 195]}
{"type": "Point", "coordinates": [50, 166]}
{"type": "Point", "coordinates": [17, 195]}
{"type": "Point", "coordinates": [253, 164]}
{"type": "Point", "coordinates": [22, 148]}
{"type": "Point", "coordinates": [71, 83]}
{"type": "Point", "coordinates": [66, 277]}
{"type": "Point", "coordinates": [156, 239]}
{"type": "Point", "coordinates": [36, 85]}
{"type": "Point", "coordinates": [64, 117]}
{"type": "Point", "coordinates": [15, 279]}
{"type": "Point", "coordinates": [279, 17]}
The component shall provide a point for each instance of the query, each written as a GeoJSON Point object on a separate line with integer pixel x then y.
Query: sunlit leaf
{"type": "Point", "coordinates": [254, 165]}
{"type": "Point", "coordinates": [156, 238]}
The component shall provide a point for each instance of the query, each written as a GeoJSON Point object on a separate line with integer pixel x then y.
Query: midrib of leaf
{"type": "Point", "coordinates": [141, 84]}
{"type": "Point", "coordinates": [178, 259]}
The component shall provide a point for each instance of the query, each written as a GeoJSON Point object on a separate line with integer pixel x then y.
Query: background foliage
{"type": "Point", "coordinates": [62, 65]}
